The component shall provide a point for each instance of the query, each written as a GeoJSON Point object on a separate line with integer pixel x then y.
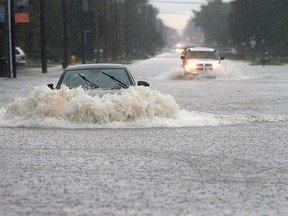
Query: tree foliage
{"type": "Point", "coordinates": [117, 27]}
{"type": "Point", "coordinates": [266, 20]}
{"type": "Point", "coordinates": [193, 34]}
{"type": "Point", "coordinates": [213, 20]}
{"type": "Point", "coordinates": [235, 23]}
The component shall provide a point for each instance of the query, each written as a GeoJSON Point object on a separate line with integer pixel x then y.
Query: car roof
{"type": "Point", "coordinates": [90, 66]}
{"type": "Point", "coordinates": [207, 49]}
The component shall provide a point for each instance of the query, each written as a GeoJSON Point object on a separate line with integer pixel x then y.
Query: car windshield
{"type": "Point", "coordinates": [201, 54]}
{"type": "Point", "coordinates": [112, 78]}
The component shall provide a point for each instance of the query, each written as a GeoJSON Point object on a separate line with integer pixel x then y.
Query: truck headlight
{"type": "Point", "coordinates": [190, 66]}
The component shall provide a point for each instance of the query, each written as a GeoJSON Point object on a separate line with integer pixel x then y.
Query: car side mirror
{"type": "Point", "coordinates": [50, 86]}
{"type": "Point", "coordinates": [143, 83]}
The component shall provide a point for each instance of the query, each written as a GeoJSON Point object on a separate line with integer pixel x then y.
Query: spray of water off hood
{"type": "Point", "coordinates": [136, 107]}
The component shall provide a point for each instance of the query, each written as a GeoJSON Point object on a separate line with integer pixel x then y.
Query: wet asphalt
{"type": "Point", "coordinates": [236, 169]}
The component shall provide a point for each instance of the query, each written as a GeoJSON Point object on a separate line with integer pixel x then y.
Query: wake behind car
{"type": "Point", "coordinates": [99, 79]}
{"type": "Point", "coordinates": [201, 61]}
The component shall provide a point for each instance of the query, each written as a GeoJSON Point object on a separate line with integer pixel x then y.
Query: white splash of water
{"type": "Point", "coordinates": [75, 106]}
{"type": "Point", "coordinates": [136, 107]}
{"type": "Point", "coordinates": [227, 71]}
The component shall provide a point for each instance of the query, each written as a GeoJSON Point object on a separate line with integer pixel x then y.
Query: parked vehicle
{"type": "Point", "coordinates": [99, 79]}
{"type": "Point", "coordinates": [201, 61]}
{"type": "Point", "coordinates": [227, 52]}
{"type": "Point", "coordinates": [20, 57]}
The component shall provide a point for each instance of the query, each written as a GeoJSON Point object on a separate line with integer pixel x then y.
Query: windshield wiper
{"type": "Point", "coordinates": [88, 81]}
{"type": "Point", "coordinates": [123, 85]}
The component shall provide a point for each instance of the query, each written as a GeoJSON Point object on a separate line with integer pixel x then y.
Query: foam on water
{"type": "Point", "coordinates": [136, 107]}
{"type": "Point", "coordinates": [230, 71]}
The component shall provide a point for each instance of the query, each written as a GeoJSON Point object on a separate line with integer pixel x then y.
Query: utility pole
{"type": "Point", "coordinates": [65, 35]}
{"type": "Point", "coordinates": [114, 34]}
{"type": "Point", "coordinates": [126, 30]}
{"type": "Point", "coordinates": [11, 40]}
{"type": "Point", "coordinates": [83, 8]}
{"type": "Point", "coordinates": [105, 46]}
{"type": "Point", "coordinates": [43, 35]}
{"type": "Point", "coordinates": [97, 29]}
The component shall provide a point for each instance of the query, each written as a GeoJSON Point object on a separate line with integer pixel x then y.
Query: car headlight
{"type": "Point", "coordinates": [190, 66]}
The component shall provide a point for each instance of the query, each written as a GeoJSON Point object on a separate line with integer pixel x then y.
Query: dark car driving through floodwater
{"type": "Point", "coordinates": [94, 77]}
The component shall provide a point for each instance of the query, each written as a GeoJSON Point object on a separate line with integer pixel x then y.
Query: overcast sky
{"type": "Point", "coordinates": [176, 13]}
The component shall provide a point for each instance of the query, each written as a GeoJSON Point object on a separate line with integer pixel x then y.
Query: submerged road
{"type": "Point", "coordinates": [226, 154]}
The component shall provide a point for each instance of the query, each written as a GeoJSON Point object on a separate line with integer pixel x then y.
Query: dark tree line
{"type": "Point", "coordinates": [107, 29]}
{"type": "Point", "coordinates": [213, 20]}
{"type": "Point", "coordinates": [266, 20]}
{"type": "Point", "coordinates": [235, 23]}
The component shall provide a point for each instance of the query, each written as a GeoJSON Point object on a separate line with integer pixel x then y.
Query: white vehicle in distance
{"type": "Point", "coordinates": [202, 61]}
{"type": "Point", "coordinates": [20, 57]}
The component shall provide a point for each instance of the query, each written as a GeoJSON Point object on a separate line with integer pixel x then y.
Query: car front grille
{"type": "Point", "coordinates": [203, 67]}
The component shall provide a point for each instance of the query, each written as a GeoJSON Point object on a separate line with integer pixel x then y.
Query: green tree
{"type": "Point", "coordinates": [115, 26]}
{"type": "Point", "coordinates": [194, 34]}
{"type": "Point", "coordinates": [213, 20]}
{"type": "Point", "coordinates": [27, 34]}
{"type": "Point", "coordinates": [266, 20]}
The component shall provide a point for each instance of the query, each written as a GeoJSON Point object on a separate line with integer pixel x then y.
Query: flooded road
{"type": "Point", "coordinates": [182, 147]}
